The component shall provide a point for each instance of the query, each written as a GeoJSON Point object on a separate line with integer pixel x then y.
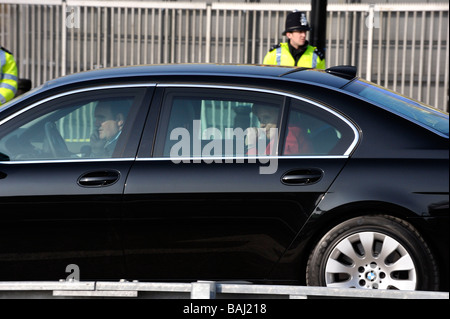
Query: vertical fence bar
{"type": "Point", "coordinates": [63, 38]}
{"type": "Point", "coordinates": [26, 43]}
{"type": "Point", "coordinates": [369, 43]}
{"type": "Point", "coordinates": [438, 61]}
{"type": "Point", "coordinates": [397, 26]}
{"type": "Point", "coordinates": [180, 34]}
{"type": "Point", "coordinates": [380, 47]}
{"type": "Point", "coordinates": [387, 50]}
{"type": "Point", "coordinates": [253, 42]}
{"type": "Point", "coordinates": [446, 72]}
{"type": "Point", "coordinates": [224, 36]}
{"type": "Point", "coordinates": [421, 55]}
{"type": "Point", "coordinates": [38, 44]}
{"type": "Point", "coordinates": [329, 35]}
{"type": "Point", "coordinates": [146, 36]}
{"type": "Point", "coordinates": [346, 42]}
{"type": "Point", "coordinates": [200, 36]}
{"type": "Point", "coordinates": [405, 46]}
{"type": "Point", "coordinates": [3, 15]}
{"type": "Point", "coordinates": [123, 32]}
{"type": "Point", "coordinates": [44, 45]}
{"type": "Point", "coordinates": [78, 32]}
{"type": "Point", "coordinates": [186, 36]}
{"type": "Point", "coordinates": [430, 59]}
{"type": "Point", "coordinates": [208, 33]}
{"type": "Point", "coordinates": [12, 36]}
{"type": "Point", "coordinates": [230, 53]}
{"type": "Point", "coordinates": [239, 35]}
{"type": "Point", "coordinates": [91, 34]}
{"type": "Point", "coordinates": [413, 51]}
{"type": "Point", "coordinates": [337, 37]}
{"type": "Point", "coordinates": [216, 36]}
{"type": "Point", "coordinates": [104, 37]}
{"type": "Point", "coordinates": [193, 41]}
{"type": "Point", "coordinates": [138, 36]}
{"type": "Point", "coordinates": [172, 33]}
{"type": "Point", "coordinates": [261, 37]}
{"type": "Point", "coordinates": [112, 34]}
{"type": "Point", "coordinates": [20, 55]}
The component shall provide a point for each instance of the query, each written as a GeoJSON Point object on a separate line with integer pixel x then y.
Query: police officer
{"type": "Point", "coordinates": [8, 76]}
{"type": "Point", "coordinates": [297, 51]}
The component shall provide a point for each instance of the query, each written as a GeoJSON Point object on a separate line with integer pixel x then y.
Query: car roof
{"type": "Point", "coordinates": [320, 77]}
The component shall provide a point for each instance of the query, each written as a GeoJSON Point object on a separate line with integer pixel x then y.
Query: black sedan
{"type": "Point", "coordinates": [224, 172]}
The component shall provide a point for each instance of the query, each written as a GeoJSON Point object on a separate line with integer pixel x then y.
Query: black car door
{"type": "Point", "coordinates": [207, 205]}
{"type": "Point", "coordinates": [60, 193]}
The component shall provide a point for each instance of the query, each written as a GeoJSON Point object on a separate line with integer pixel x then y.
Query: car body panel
{"type": "Point", "coordinates": [218, 213]}
{"type": "Point", "coordinates": [56, 222]}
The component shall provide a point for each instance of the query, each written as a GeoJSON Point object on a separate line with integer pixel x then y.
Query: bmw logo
{"type": "Point", "coordinates": [371, 276]}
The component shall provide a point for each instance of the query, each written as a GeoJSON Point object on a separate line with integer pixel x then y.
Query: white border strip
{"type": "Point", "coordinates": [139, 4]}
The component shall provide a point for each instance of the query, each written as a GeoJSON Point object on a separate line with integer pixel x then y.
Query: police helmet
{"type": "Point", "coordinates": [296, 21]}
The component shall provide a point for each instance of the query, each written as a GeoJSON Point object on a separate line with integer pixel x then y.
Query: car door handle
{"type": "Point", "coordinates": [302, 176]}
{"type": "Point", "coordinates": [99, 178]}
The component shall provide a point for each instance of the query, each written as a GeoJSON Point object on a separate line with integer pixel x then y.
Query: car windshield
{"type": "Point", "coordinates": [394, 102]}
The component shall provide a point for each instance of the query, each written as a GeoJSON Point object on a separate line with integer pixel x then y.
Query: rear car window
{"type": "Point", "coordinates": [415, 111]}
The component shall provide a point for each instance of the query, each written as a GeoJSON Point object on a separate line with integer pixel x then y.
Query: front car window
{"type": "Point", "coordinates": [415, 111]}
{"type": "Point", "coordinates": [77, 126]}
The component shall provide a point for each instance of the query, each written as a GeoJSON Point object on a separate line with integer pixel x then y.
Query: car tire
{"type": "Point", "coordinates": [373, 252]}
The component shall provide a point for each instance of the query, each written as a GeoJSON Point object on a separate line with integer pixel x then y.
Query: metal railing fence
{"type": "Point", "coordinates": [404, 47]}
{"type": "Point", "coordinates": [195, 290]}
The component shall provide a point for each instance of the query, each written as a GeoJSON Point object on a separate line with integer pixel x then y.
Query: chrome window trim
{"type": "Point", "coordinates": [81, 160]}
{"type": "Point", "coordinates": [156, 159]}
{"type": "Point", "coordinates": [347, 153]}
{"type": "Point", "coordinates": [94, 88]}
{"type": "Point", "coordinates": [239, 158]}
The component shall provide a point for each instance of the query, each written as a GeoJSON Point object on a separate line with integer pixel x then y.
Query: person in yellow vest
{"type": "Point", "coordinates": [8, 76]}
{"type": "Point", "coordinates": [297, 51]}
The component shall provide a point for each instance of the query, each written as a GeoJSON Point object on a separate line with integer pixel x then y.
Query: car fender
{"type": "Point", "coordinates": [359, 191]}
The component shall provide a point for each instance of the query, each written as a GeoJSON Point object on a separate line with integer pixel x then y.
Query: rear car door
{"type": "Point", "coordinates": [59, 192]}
{"type": "Point", "coordinates": [205, 204]}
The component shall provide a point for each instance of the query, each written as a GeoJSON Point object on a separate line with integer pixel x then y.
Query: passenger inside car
{"type": "Point", "coordinates": [295, 143]}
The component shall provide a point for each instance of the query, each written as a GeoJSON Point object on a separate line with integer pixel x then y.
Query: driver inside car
{"type": "Point", "coordinates": [110, 116]}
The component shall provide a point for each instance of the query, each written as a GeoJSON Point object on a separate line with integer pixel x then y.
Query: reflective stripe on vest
{"type": "Point", "coordinates": [8, 86]}
{"type": "Point", "coordinates": [314, 60]}
{"type": "Point", "coordinates": [279, 55]}
{"type": "Point", "coordinates": [2, 61]}
{"type": "Point", "coordinates": [7, 76]}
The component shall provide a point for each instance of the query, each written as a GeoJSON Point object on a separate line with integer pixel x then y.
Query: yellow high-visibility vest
{"type": "Point", "coordinates": [281, 56]}
{"type": "Point", "coordinates": [8, 76]}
